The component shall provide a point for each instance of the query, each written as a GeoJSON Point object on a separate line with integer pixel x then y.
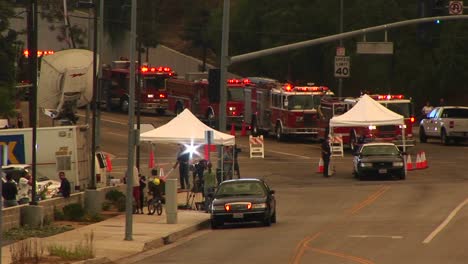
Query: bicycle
{"type": "Point", "coordinates": [155, 205]}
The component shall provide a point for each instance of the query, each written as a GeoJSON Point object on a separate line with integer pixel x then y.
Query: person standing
{"type": "Point", "coordinates": [236, 163]}
{"type": "Point", "coordinates": [19, 121]}
{"type": "Point", "coordinates": [142, 191]}
{"type": "Point", "coordinates": [426, 109]}
{"type": "Point", "coordinates": [24, 191]}
{"type": "Point", "coordinates": [9, 192]}
{"type": "Point", "coordinates": [209, 185]}
{"type": "Point", "coordinates": [183, 158]}
{"type": "Point", "coordinates": [64, 188]}
{"type": "Point", "coordinates": [326, 153]}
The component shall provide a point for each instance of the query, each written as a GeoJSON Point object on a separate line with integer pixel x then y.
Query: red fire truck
{"type": "Point", "coordinates": [283, 108]}
{"type": "Point", "coordinates": [352, 136]}
{"type": "Point", "coordinates": [196, 96]}
{"type": "Point", "coordinates": [153, 96]}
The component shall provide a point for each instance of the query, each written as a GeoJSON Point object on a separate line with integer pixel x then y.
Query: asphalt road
{"type": "Point", "coordinates": [327, 220]}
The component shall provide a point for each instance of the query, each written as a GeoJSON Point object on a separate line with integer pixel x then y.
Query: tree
{"type": "Point", "coordinates": [7, 60]}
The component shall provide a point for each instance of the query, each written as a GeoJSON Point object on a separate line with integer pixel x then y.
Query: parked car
{"type": "Point", "coordinates": [243, 200]}
{"type": "Point", "coordinates": [379, 160]}
{"type": "Point", "coordinates": [447, 123]}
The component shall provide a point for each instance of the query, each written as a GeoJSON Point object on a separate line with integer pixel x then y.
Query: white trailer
{"type": "Point", "coordinates": [62, 148]}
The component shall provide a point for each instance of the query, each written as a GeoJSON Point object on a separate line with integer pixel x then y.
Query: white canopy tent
{"type": "Point", "coordinates": [368, 112]}
{"type": "Point", "coordinates": [186, 129]}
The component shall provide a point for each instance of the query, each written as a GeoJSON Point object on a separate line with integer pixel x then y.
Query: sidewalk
{"type": "Point", "coordinates": [149, 232]}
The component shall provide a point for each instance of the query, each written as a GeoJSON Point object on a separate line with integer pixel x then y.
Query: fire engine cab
{"type": "Point", "coordinates": [353, 136]}
{"type": "Point", "coordinates": [203, 100]}
{"type": "Point", "coordinates": [283, 108]}
{"type": "Point", "coordinates": [153, 96]}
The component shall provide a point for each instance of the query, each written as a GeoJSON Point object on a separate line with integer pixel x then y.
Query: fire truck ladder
{"type": "Point", "coordinates": [336, 146]}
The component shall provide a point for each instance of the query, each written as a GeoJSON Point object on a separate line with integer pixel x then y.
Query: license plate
{"type": "Point", "coordinates": [382, 170]}
{"type": "Point", "coordinates": [238, 215]}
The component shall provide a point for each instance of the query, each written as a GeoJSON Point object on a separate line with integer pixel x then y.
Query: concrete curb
{"type": "Point", "coordinates": [150, 245]}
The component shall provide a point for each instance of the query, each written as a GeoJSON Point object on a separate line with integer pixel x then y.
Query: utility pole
{"type": "Point", "coordinates": [32, 47]}
{"type": "Point", "coordinates": [132, 133]}
{"type": "Point", "coordinates": [340, 80]}
{"type": "Point", "coordinates": [94, 101]}
{"type": "Point", "coordinates": [223, 67]}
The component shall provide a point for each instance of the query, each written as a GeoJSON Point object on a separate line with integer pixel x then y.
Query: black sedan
{"type": "Point", "coordinates": [379, 159]}
{"type": "Point", "coordinates": [243, 200]}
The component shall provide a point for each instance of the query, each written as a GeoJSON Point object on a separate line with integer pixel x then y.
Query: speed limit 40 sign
{"type": "Point", "coordinates": [342, 66]}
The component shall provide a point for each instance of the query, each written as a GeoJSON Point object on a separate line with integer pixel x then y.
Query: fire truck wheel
{"type": "Point", "coordinates": [422, 135]}
{"type": "Point", "coordinates": [279, 132]}
{"type": "Point", "coordinates": [124, 105]}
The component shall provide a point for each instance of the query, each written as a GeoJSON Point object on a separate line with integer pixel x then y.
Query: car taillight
{"type": "Point", "coordinates": [412, 119]}
{"type": "Point", "coordinates": [452, 124]}
{"type": "Point", "coordinates": [249, 206]}
{"type": "Point", "coordinates": [162, 96]}
{"type": "Point", "coordinates": [227, 207]}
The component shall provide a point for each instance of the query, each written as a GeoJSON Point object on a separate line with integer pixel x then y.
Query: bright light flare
{"type": "Point", "coordinates": [192, 149]}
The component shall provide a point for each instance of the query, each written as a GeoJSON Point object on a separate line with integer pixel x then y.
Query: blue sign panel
{"type": "Point", "coordinates": [15, 146]}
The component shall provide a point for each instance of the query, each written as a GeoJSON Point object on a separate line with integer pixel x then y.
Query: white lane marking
{"type": "Point", "coordinates": [289, 154]}
{"type": "Point", "coordinates": [445, 222]}
{"type": "Point", "coordinates": [375, 236]}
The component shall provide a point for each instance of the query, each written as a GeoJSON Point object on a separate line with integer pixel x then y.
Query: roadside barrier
{"type": "Point", "coordinates": [257, 149]}
{"type": "Point", "coordinates": [336, 146]}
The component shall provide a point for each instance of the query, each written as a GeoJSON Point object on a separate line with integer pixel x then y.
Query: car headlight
{"type": "Point", "coordinates": [365, 164]}
{"type": "Point", "coordinates": [398, 164]}
{"type": "Point", "coordinates": [259, 206]}
{"type": "Point", "coordinates": [218, 207]}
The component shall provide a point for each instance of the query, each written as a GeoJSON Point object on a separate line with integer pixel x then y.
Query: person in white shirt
{"type": "Point", "coordinates": [427, 109]}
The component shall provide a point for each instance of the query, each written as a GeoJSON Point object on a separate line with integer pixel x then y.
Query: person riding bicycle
{"type": "Point", "coordinates": [155, 186]}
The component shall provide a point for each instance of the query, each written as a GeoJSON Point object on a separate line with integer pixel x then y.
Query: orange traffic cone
{"type": "Point", "coordinates": [109, 163]}
{"type": "Point", "coordinates": [244, 129]}
{"type": "Point", "coordinates": [423, 160]}
{"type": "Point", "coordinates": [409, 163]}
{"type": "Point", "coordinates": [419, 163]}
{"type": "Point", "coordinates": [233, 130]}
{"type": "Point", "coordinates": [320, 166]}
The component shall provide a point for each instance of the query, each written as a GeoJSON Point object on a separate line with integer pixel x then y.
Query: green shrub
{"type": "Point", "coordinates": [58, 215]}
{"type": "Point", "coordinates": [121, 204]}
{"type": "Point", "coordinates": [106, 206]}
{"type": "Point", "coordinates": [73, 212]}
{"type": "Point", "coordinates": [114, 195]}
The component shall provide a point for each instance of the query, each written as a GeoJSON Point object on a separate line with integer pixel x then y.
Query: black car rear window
{"type": "Point", "coordinates": [455, 113]}
{"type": "Point", "coordinates": [379, 150]}
{"type": "Point", "coordinates": [240, 188]}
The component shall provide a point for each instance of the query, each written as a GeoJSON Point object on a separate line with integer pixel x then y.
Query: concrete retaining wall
{"type": "Point", "coordinates": [11, 217]}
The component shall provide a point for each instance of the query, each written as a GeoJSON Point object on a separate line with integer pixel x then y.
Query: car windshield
{"type": "Point", "coordinates": [379, 150]}
{"type": "Point", "coordinates": [240, 189]}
